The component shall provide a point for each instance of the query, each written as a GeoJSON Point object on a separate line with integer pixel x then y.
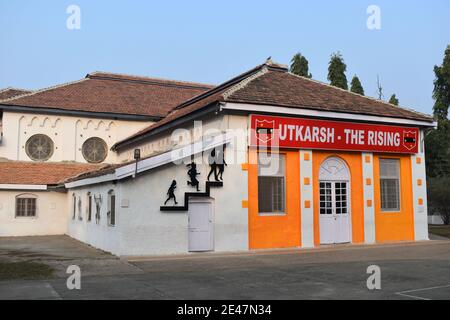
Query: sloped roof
{"type": "Point", "coordinates": [103, 92]}
{"type": "Point", "coordinates": [41, 173]}
{"type": "Point", "coordinates": [272, 84]}
{"type": "Point", "coordinates": [9, 93]}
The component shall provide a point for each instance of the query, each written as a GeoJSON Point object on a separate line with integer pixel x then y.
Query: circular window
{"type": "Point", "coordinates": [94, 150]}
{"type": "Point", "coordinates": [39, 147]}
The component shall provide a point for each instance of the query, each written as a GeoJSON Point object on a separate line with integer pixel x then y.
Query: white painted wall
{"type": "Point", "coordinates": [174, 139]}
{"type": "Point", "coordinates": [307, 191]}
{"type": "Point", "coordinates": [420, 192]}
{"type": "Point", "coordinates": [101, 235]}
{"type": "Point", "coordinates": [50, 219]}
{"type": "Point", "coordinates": [369, 195]}
{"type": "Point", "coordinates": [67, 132]}
{"type": "Point", "coordinates": [142, 229]}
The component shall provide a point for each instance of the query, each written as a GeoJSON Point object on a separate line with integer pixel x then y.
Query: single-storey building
{"type": "Point", "coordinates": [265, 160]}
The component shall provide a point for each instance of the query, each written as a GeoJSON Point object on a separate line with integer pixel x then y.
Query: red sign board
{"type": "Point", "coordinates": [331, 135]}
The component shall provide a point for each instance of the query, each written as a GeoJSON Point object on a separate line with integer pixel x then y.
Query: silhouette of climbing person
{"type": "Point", "coordinates": [171, 192]}
{"type": "Point", "coordinates": [220, 160]}
{"type": "Point", "coordinates": [213, 164]}
{"type": "Point", "coordinates": [193, 173]}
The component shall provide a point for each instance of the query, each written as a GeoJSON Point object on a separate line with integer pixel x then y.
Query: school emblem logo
{"type": "Point", "coordinates": [264, 130]}
{"type": "Point", "coordinates": [409, 139]}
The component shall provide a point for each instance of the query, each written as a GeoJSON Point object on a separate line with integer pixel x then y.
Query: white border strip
{"type": "Point", "coordinates": [23, 186]}
{"type": "Point", "coordinates": [323, 114]}
{"type": "Point", "coordinates": [89, 181]}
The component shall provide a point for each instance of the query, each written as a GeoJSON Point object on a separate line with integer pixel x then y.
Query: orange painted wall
{"type": "Point", "coordinates": [354, 163]}
{"type": "Point", "coordinates": [281, 231]}
{"type": "Point", "coordinates": [395, 226]}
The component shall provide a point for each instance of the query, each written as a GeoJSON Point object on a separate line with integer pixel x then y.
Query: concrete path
{"type": "Point", "coordinates": [408, 271]}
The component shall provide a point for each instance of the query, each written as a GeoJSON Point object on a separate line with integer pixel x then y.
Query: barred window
{"type": "Point", "coordinates": [74, 206]}
{"type": "Point", "coordinates": [39, 147]}
{"type": "Point", "coordinates": [271, 183]}
{"type": "Point", "coordinates": [94, 150]}
{"type": "Point", "coordinates": [111, 215]}
{"type": "Point", "coordinates": [89, 206]}
{"type": "Point", "coordinates": [26, 205]}
{"type": "Point", "coordinates": [390, 184]}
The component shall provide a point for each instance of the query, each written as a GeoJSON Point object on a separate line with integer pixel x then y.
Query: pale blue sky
{"type": "Point", "coordinates": [211, 41]}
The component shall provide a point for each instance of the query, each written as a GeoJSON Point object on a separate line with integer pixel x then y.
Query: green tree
{"type": "Point", "coordinates": [439, 190]}
{"type": "Point", "coordinates": [437, 153]}
{"type": "Point", "coordinates": [299, 66]}
{"type": "Point", "coordinates": [441, 92]}
{"type": "Point", "coordinates": [356, 86]}
{"type": "Point", "coordinates": [336, 71]}
{"type": "Point", "coordinates": [438, 141]}
{"type": "Point", "coordinates": [393, 100]}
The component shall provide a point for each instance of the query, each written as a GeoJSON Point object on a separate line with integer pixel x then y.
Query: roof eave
{"type": "Point", "coordinates": [60, 111]}
{"type": "Point", "coordinates": [309, 112]}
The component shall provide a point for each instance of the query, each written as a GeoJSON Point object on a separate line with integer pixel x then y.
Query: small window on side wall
{"type": "Point", "coordinates": [271, 183]}
{"type": "Point", "coordinates": [390, 184]}
{"type": "Point", "coordinates": [74, 206]}
{"type": "Point", "coordinates": [26, 205]}
{"type": "Point", "coordinates": [111, 214]}
{"type": "Point", "coordinates": [89, 206]}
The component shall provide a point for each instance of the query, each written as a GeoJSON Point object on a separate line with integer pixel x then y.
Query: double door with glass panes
{"type": "Point", "coordinates": [334, 215]}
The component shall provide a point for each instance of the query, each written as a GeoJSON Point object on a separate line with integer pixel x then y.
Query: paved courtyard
{"type": "Point", "coordinates": [408, 271]}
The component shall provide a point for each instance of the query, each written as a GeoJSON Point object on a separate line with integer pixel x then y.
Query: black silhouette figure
{"type": "Point", "coordinates": [171, 192]}
{"type": "Point", "coordinates": [213, 164]}
{"type": "Point", "coordinates": [220, 160]}
{"type": "Point", "coordinates": [193, 173]}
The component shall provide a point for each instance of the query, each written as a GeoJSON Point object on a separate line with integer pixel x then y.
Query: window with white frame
{"type": "Point", "coordinates": [390, 184]}
{"type": "Point", "coordinates": [111, 214]}
{"type": "Point", "coordinates": [26, 205]}
{"type": "Point", "coordinates": [271, 183]}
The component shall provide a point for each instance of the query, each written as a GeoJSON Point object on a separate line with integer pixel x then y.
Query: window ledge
{"type": "Point", "coordinates": [272, 214]}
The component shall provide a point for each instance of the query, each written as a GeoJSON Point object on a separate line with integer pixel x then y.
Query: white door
{"type": "Point", "coordinates": [334, 212]}
{"type": "Point", "coordinates": [200, 226]}
{"type": "Point", "coordinates": [334, 205]}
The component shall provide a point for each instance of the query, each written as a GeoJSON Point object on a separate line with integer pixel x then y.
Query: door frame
{"type": "Point", "coordinates": [349, 193]}
{"type": "Point", "coordinates": [211, 201]}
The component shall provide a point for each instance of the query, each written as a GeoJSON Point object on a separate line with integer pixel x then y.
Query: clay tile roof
{"type": "Point", "coordinates": [9, 93]}
{"type": "Point", "coordinates": [113, 93]}
{"type": "Point", "coordinates": [272, 84]}
{"type": "Point", "coordinates": [42, 173]}
{"type": "Point", "coordinates": [288, 90]}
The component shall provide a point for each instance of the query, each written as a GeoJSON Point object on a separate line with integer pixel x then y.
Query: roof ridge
{"type": "Point", "coordinates": [360, 95]}
{"type": "Point", "coordinates": [218, 88]}
{"type": "Point", "coordinates": [6, 89]}
{"type": "Point", "coordinates": [244, 82]}
{"type": "Point", "coordinates": [14, 88]}
{"type": "Point", "coordinates": [145, 79]}
{"type": "Point", "coordinates": [44, 89]}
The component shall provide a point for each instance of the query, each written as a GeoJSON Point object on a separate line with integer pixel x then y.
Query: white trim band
{"type": "Point", "coordinates": [23, 186]}
{"type": "Point", "coordinates": [323, 114]}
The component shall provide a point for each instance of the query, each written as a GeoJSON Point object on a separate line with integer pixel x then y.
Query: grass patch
{"type": "Point", "coordinates": [439, 230]}
{"type": "Point", "coordinates": [24, 270]}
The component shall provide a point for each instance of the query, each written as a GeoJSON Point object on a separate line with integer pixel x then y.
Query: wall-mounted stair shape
{"type": "Point", "coordinates": [188, 195]}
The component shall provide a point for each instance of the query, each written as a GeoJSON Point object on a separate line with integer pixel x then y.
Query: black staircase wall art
{"type": "Point", "coordinates": [187, 195]}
